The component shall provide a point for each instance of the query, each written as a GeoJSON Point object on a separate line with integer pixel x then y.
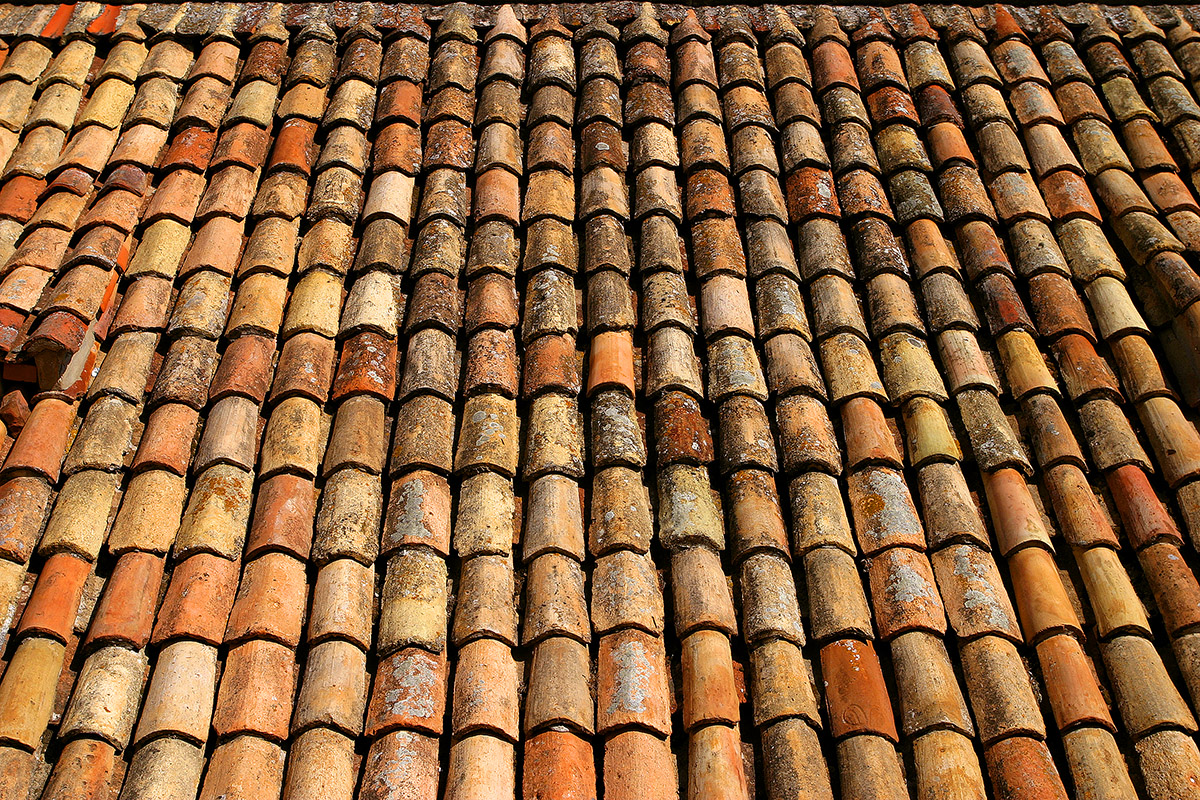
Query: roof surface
{"type": "Point", "coordinates": [469, 403]}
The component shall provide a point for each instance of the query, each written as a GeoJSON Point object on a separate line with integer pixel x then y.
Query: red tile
{"type": "Point", "coordinates": [647, 60]}
{"type": "Point", "coordinates": [694, 61]}
{"type": "Point", "coordinates": [19, 196]}
{"type": "Point", "coordinates": [877, 56]}
{"type": "Point", "coordinates": [271, 601]}
{"type": "Point", "coordinates": [755, 516]}
{"type": "Point", "coordinates": [1071, 682]}
{"type": "Point", "coordinates": [106, 22]}
{"type": "Point", "coordinates": [436, 301]}
{"type": "Point", "coordinates": [139, 146]}
{"type": "Point", "coordinates": [811, 193]}
{"type": "Point", "coordinates": [497, 196]}
{"type": "Point", "coordinates": [144, 306]}
{"type": "Point", "coordinates": [126, 609]}
{"type": "Point", "coordinates": [1042, 600]}
{"type": "Point", "coordinates": [85, 767]}
{"type": "Point", "coordinates": [1058, 307]}
{"type": "Point", "coordinates": [409, 693]}
{"type": "Point", "coordinates": [1120, 193]}
{"type": "Point", "coordinates": [243, 768]}
{"type": "Point", "coordinates": [418, 513]}
{"type": "Point", "coordinates": [551, 363]}
{"type": "Point", "coordinates": [710, 693]}
{"type": "Point", "coordinates": [934, 104]}
{"type": "Point", "coordinates": [100, 245]}
{"type": "Point", "coordinates": [245, 368]}
{"type": "Point", "coordinates": [1145, 146]}
{"type": "Point", "coordinates": [413, 756]}
{"type": "Point", "coordinates": [217, 245]}
{"type": "Point", "coordinates": [709, 194]}
{"type": "Point", "coordinates": [868, 438]}
{"type": "Point", "coordinates": [73, 180]}
{"type": "Point", "coordinates": [58, 22]}
{"type": "Point", "coordinates": [610, 361]}
{"type": "Point", "coordinates": [1085, 374]}
{"type": "Point", "coordinates": [1067, 196]}
{"type": "Point", "coordinates": [1077, 100]}
{"type": "Point", "coordinates": [492, 363]}
{"type": "Point", "coordinates": [400, 100]}
{"type": "Point", "coordinates": [682, 434]}
{"type": "Point", "coordinates": [16, 771]}
{"type": "Point", "coordinates": [1107, 61]}
{"type": "Point", "coordinates": [1145, 518]}
{"type": "Point", "coordinates": [649, 102]}
{"type": "Point", "coordinates": [1176, 591]}
{"type": "Point", "coordinates": [1002, 305]}
{"type": "Point", "coordinates": [294, 146]}
{"type": "Point", "coordinates": [167, 440]}
{"type": "Point", "coordinates": [305, 368]}
{"type": "Point", "coordinates": [450, 145]}
{"type": "Point", "coordinates": [191, 148]}
{"type": "Point", "coordinates": [947, 145]}
{"type": "Point", "coordinates": [637, 765]}
{"type": "Point", "coordinates": [1083, 519]}
{"type": "Point", "coordinates": [128, 177]}
{"type": "Point", "coordinates": [244, 143]}
{"type": "Point", "coordinates": [855, 691]}
{"type": "Point", "coordinates": [43, 441]}
{"type": "Point", "coordinates": [890, 104]}
{"type": "Point", "coordinates": [23, 505]}
{"type": "Point", "coordinates": [177, 196]}
{"type": "Point", "coordinates": [635, 658]}
{"type": "Point", "coordinates": [55, 600]}
{"type": "Point", "coordinates": [1021, 767]}
{"type": "Point", "coordinates": [397, 147]}
{"type": "Point", "coordinates": [12, 322]}
{"type": "Point", "coordinates": [600, 145]}
{"type": "Point", "coordinates": [717, 248]}
{"type": "Point", "coordinates": [198, 599]}
{"type": "Point", "coordinates": [283, 517]}
{"type": "Point", "coordinates": [559, 765]}
{"type": "Point", "coordinates": [268, 61]}
{"type": "Point", "coordinates": [833, 66]}
{"type": "Point", "coordinates": [14, 411]}
{"type": "Point", "coordinates": [904, 594]}
{"type": "Point", "coordinates": [367, 366]}
{"type": "Point", "coordinates": [718, 763]}
{"type": "Point", "coordinates": [1169, 192]}
{"type": "Point", "coordinates": [1006, 26]}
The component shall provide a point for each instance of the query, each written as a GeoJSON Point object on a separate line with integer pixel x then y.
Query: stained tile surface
{"type": "Point", "coordinates": [581, 401]}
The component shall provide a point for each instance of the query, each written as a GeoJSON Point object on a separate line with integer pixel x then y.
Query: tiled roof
{"type": "Point", "coordinates": [469, 403]}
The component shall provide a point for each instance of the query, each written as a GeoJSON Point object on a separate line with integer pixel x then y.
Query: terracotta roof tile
{"type": "Point", "coordinates": [280, 247]}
